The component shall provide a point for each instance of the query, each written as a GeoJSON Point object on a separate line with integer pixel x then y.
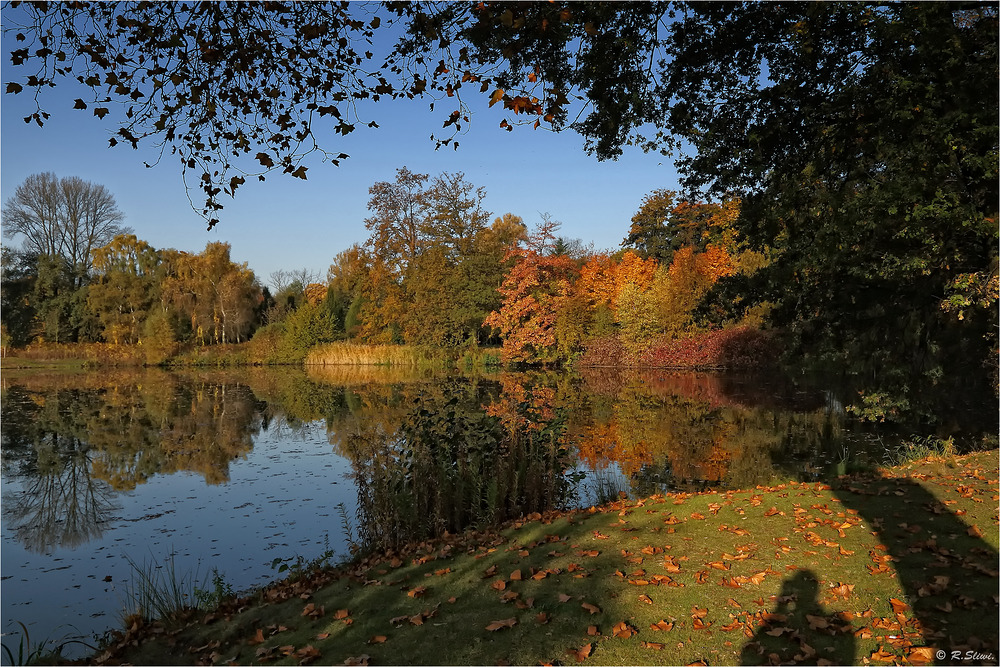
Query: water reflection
{"type": "Point", "coordinates": [429, 453]}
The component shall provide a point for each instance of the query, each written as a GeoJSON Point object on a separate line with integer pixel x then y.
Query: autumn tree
{"type": "Point", "coordinates": [125, 288]}
{"type": "Point", "coordinates": [533, 291]}
{"type": "Point", "coordinates": [217, 297]}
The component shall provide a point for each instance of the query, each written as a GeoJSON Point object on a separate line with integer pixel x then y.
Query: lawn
{"type": "Point", "coordinates": [881, 568]}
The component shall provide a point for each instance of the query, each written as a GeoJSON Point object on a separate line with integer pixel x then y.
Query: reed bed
{"type": "Point", "coordinates": [353, 354]}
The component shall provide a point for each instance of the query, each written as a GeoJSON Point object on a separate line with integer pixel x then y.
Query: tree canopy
{"type": "Point", "coordinates": [860, 139]}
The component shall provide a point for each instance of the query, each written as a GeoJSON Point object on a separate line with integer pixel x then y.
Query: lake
{"type": "Point", "coordinates": [241, 472]}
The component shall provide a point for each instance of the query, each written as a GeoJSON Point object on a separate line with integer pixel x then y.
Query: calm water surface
{"type": "Point", "coordinates": [229, 471]}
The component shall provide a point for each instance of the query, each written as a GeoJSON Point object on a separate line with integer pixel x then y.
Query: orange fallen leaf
{"type": "Point", "coordinates": [416, 592]}
{"type": "Point", "coordinates": [313, 611]}
{"type": "Point", "coordinates": [697, 612]}
{"type": "Point", "coordinates": [505, 623]}
{"type": "Point", "coordinates": [898, 606]}
{"type": "Point", "coordinates": [623, 630]}
{"type": "Point", "coordinates": [974, 531]}
{"type": "Point", "coordinates": [646, 599]}
{"type": "Point", "coordinates": [341, 613]}
{"type": "Point", "coordinates": [656, 646]}
{"type": "Point", "coordinates": [581, 653]}
{"type": "Point", "coordinates": [498, 585]}
{"type": "Point", "coordinates": [592, 608]}
{"type": "Point", "coordinates": [258, 638]}
{"type": "Point", "coordinates": [662, 625]}
{"type": "Point", "coordinates": [882, 655]}
{"type": "Point", "coordinates": [542, 618]}
{"type": "Point", "coordinates": [490, 571]}
{"type": "Point", "coordinates": [378, 639]}
{"type": "Point", "coordinates": [699, 624]}
{"type": "Point", "coordinates": [817, 622]}
{"type": "Point", "coordinates": [921, 655]}
{"type": "Point", "coordinates": [515, 575]}
{"type": "Point", "coordinates": [592, 630]}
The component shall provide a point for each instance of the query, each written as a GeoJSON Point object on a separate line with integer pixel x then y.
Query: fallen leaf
{"type": "Point", "coordinates": [817, 622]}
{"type": "Point", "coordinates": [416, 592]}
{"type": "Point", "coordinates": [697, 612]}
{"type": "Point", "coordinates": [515, 575]}
{"type": "Point", "coordinates": [341, 613]}
{"type": "Point", "coordinates": [592, 630]}
{"type": "Point", "coordinates": [592, 608]}
{"type": "Point", "coordinates": [656, 646]}
{"type": "Point", "coordinates": [358, 660]}
{"type": "Point", "coordinates": [921, 655]}
{"type": "Point", "coordinates": [542, 618]}
{"type": "Point", "coordinates": [313, 611]}
{"type": "Point", "coordinates": [882, 655]}
{"type": "Point", "coordinates": [378, 639]}
{"type": "Point", "coordinates": [498, 585]}
{"type": "Point", "coordinates": [307, 654]}
{"type": "Point", "coordinates": [258, 638]}
{"type": "Point", "coordinates": [505, 623]}
{"type": "Point", "coordinates": [565, 598]}
{"type": "Point", "coordinates": [581, 653]}
{"type": "Point", "coordinates": [898, 606]}
{"type": "Point", "coordinates": [662, 625]}
{"type": "Point", "coordinates": [623, 630]}
{"type": "Point", "coordinates": [646, 599]}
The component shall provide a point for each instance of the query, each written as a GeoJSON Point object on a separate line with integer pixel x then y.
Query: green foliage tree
{"type": "Point", "coordinates": [864, 142]}
{"type": "Point", "coordinates": [17, 278]}
{"type": "Point", "coordinates": [125, 289]}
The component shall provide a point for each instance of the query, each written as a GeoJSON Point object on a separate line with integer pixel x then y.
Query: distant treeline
{"type": "Point", "coordinates": [684, 290]}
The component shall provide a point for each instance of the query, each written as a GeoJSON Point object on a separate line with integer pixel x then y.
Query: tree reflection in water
{"type": "Point", "coordinates": [71, 449]}
{"type": "Point", "coordinates": [447, 466]}
{"type": "Point", "coordinates": [61, 505]}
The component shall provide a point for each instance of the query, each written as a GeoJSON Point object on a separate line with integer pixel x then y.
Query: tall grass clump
{"type": "Point", "coordinates": [355, 354]}
{"type": "Point", "coordinates": [28, 653]}
{"type": "Point", "coordinates": [159, 591]}
{"type": "Point", "coordinates": [447, 469]}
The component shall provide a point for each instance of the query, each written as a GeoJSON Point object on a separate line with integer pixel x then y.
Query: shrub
{"type": "Point", "coordinates": [741, 347]}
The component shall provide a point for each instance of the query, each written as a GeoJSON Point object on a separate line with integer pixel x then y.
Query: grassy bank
{"type": "Point", "coordinates": [881, 568]}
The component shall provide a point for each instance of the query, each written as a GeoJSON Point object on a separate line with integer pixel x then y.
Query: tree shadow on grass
{"type": "Point", "coordinates": [947, 574]}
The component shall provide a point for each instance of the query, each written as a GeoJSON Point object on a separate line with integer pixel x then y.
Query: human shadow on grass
{"type": "Point", "coordinates": [946, 572]}
{"type": "Point", "coordinates": [798, 631]}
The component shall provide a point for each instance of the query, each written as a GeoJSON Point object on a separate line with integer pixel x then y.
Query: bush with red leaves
{"type": "Point", "coordinates": [742, 347]}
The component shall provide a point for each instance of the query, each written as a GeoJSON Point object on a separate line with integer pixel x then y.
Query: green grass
{"type": "Point", "coordinates": [882, 567]}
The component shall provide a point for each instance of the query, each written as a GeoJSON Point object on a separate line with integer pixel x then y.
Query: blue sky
{"type": "Point", "coordinates": [287, 223]}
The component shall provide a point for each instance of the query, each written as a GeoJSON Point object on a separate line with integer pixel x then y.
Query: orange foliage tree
{"type": "Point", "coordinates": [533, 290]}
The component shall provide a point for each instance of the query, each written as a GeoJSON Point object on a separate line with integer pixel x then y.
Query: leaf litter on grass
{"type": "Point", "coordinates": [869, 568]}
